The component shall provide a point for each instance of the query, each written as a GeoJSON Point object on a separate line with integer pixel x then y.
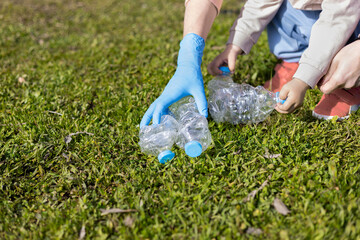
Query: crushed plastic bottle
{"type": "Point", "coordinates": [158, 139]}
{"type": "Point", "coordinates": [194, 134]}
{"type": "Point", "coordinates": [239, 103]}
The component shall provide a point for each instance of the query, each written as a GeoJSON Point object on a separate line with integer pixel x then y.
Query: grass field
{"type": "Point", "coordinates": [94, 67]}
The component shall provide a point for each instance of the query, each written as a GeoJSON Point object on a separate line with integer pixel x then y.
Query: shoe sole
{"type": "Point", "coordinates": [353, 108]}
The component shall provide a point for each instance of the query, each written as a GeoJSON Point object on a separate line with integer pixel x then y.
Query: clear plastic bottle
{"type": "Point", "coordinates": [158, 139]}
{"type": "Point", "coordinates": [194, 134]}
{"type": "Point", "coordinates": [239, 103]}
{"type": "Point", "coordinates": [225, 76]}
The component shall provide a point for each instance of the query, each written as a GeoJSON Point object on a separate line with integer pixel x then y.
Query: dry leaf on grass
{"type": "Point", "coordinates": [267, 155]}
{"type": "Point", "coordinates": [116, 210]}
{"type": "Point", "coordinates": [271, 155]}
{"type": "Point", "coordinates": [280, 207]}
{"type": "Point", "coordinates": [254, 231]}
{"type": "Point", "coordinates": [82, 232]}
{"type": "Point", "coordinates": [21, 80]}
{"type": "Point", "coordinates": [68, 138]}
{"type": "Point", "coordinates": [129, 221]}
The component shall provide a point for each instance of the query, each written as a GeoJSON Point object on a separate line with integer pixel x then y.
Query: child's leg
{"type": "Point", "coordinates": [340, 102]}
{"type": "Point", "coordinates": [288, 36]}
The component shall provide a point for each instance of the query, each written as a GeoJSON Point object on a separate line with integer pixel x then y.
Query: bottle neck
{"type": "Point", "coordinates": [225, 74]}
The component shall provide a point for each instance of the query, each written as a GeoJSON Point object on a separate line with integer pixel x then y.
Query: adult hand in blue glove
{"type": "Point", "coordinates": [186, 81]}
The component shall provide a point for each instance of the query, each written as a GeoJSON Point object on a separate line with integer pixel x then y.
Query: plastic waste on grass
{"type": "Point", "coordinates": [194, 134]}
{"type": "Point", "coordinates": [225, 76]}
{"type": "Point", "coordinates": [158, 139]}
{"type": "Point", "coordinates": [239, 103]}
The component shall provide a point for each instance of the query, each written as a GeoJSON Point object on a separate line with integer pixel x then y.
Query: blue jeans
{"type": "Point", "coordinates": [289, 32]}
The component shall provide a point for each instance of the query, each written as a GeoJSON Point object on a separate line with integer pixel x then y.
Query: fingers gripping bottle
{"type": "Point", "coordinates": [194, 134]}
{"type": "Point", "coordinates": [239, 103]}
{"type": "Point", "coordinates": [158, 139]}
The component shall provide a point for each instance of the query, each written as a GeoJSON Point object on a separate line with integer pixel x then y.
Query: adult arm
{"type": "Point", "coordinates": [200, 15]}
{"type": "Point", "coordinates": [344, 71]}
{"type": "Point", "coordinates": [187, 80]}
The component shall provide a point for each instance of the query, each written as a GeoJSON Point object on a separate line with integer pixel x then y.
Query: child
{"type": "Point", "coordinates": [290, 22]}
{"type": "Point", "coordinates": [305, 35]}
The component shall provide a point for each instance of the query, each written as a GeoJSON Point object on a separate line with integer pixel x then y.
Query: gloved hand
{"type": "Point", "coordinates": [186, 81]}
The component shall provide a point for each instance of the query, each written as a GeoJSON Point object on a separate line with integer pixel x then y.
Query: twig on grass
{"type": "Point", "coordinates": [116, 210]}
{"type": "Point", "coordinates": [60, 114]}
{"type": "Point", "coordinates": [238, 152]}
{"type": "Point", "coordinates": [253, 193]}
{"type": "Point", "coordinates": [65, 156]}
{"type": "Point", "coordinates": [10, 124]}
{"type": "Point", "coordinates": [254, 231]}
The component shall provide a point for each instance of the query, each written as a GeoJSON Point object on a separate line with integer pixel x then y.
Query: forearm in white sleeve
{"type": "Point", "coordinates": [329, 34]}
{"type": "Point", "coordinates": [253, 18]}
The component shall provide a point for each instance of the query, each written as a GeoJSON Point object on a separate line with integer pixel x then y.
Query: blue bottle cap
{"type": "Point", "coordinates": [193, 149]}
{"type": "Point", "coordinates": [278, 98]}
{"type": "Point", "coordinates": [165, 156]}
{"type": "Point", "coordinates": [225, 70]}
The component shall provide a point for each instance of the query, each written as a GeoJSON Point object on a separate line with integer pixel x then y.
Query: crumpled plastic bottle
{"type": "Point", "coordinates": [158, 139]}
{"type": "Point", "coordinates": [194, 134]}
{"type": "Point", "coordinates": [239, 103]}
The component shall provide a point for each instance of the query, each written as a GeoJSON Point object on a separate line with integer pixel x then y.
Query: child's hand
{"type": "Point", "coordinates": [228, 56]}
{"type": "Point", "coordinates": [294, 93]}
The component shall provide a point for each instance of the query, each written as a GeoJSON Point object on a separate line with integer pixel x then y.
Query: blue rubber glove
{"type": "Point", "coordinates": [186, 81]}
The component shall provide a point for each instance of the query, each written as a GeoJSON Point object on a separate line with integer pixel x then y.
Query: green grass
{"type": "Point", "coordinates": [100, 64]}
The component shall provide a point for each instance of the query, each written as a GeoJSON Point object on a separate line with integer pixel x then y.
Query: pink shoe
{"type": "Point", "coordinates": [284, 73]}
{"type": "Point", "coordinates": [340, 103]}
